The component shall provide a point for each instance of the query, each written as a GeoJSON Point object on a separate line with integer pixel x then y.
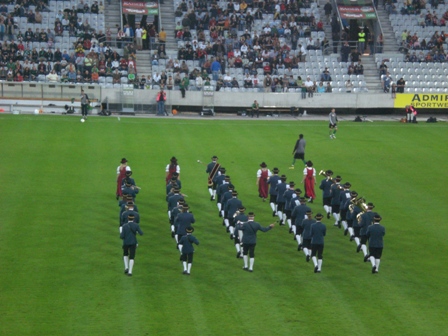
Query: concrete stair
{"type": "Point", "coordinates": [144, 66]}
{"type": "Point", "coordinates": [112, 15]}
{"type": "Point", "coordinates": [390, 42]}
{"type": "Point", "coordinates": [167, 21]}
{"type": "Point", "coordinates": [371, 74]}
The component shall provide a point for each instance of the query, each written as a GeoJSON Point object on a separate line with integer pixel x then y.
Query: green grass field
{"type": "Point", "coordinates": [61, 263]}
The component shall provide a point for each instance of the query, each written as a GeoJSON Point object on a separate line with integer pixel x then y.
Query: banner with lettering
{"type": "Point", "coordinates": [140, 7]}
{"type": "Point", "coordinates": [422, 100]}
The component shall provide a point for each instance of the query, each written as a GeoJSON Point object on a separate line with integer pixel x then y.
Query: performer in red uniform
{"type": "Point", "coordinates": [309, 179]}
{"type": "Point", "coordinates": [121, 174]}
{"type": "Point", "coordinates": [262, 180]}
{"type": "Point", "coordinates": [173, 167]}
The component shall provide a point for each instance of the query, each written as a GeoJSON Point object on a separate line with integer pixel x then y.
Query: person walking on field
{"type": "Point", "coordinates": [128, 234]}
{"type": "Point", "coordinates": [318, 232]}
{"type": "Point", "coordinates": [121, 174]}
{"type": "Point", "coordinates": [262, 180]}
{"type": "Point", "coordinates": [171, 168]}
{"type": "Point", "coordinates": [309, 180]}
{"type": "Point", "coordinates": [299, 151]}
{"type": "Point", "coordinates": [250, 229]}
{"type": "Point", "coordinates": [333, 124]}
{"type": "Point", "coordinates": [375, 234]}
{"type": "Point", "coordinates": [187, 242]}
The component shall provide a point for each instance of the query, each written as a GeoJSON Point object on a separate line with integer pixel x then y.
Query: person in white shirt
{"type": "Point", "coordinates": [236, 53]}
{"type": "Point", "coordinates": [52, 77]}
{"type": "Point", "coordinates": [244, 48]}
{"type": "Point", "coordinates": [309, 86]}
{"type": "Point", "coordinates": [138, 38]}
{"type": "Point", "coordinates": [156, 78]}
{"type": "Point", "coordinates": [199, 82]}
{"type": "Point", "coordinates": [302, 53]}
{"type": "Point", "coordinates": [267, 29]}
{"type": "Point", "coordinates": [227, 80]}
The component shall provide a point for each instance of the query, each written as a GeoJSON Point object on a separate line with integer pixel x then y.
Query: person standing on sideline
{"type": "Point", "coordinates": [84, 104]}
{"type": "Point", "coordinates": [309, 180]}
{"type": "Point", "coordinates": [299, 151]}
{"type": "Point", "coordinates": [273, 181]}
{"type": "Point", "coordinates": [255, 109]}
{"type": "Point", "coordinates": [333, 124]}
{"type": "Point", "coordinates": [375, 234]}
{"type": "Point", "coordinates": [262, 180]}
{"type": "Point", "coordinates": [212, 171]}
{"type": "Point", "coordinates": [172, 168]}
{"type": "Point", "coordinates": [161, 98]}
{"type": "Point", "coordinates": [121, 174]}
{"type": "Point", "coordinates": [325, 186]}
{"type": "Point", "coordinates": [128, 234]}
{"type": "Point", "coordinates": [250, 229]}
{"type": "Point", "coordinates": [318, 232]}
{"type": "Point", "coordinates": [187, 242]}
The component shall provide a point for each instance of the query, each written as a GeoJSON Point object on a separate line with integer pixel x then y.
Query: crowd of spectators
{"type": "Point", "coordinates": [89, 57]}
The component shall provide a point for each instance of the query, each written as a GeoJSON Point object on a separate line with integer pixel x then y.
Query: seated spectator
{"type": "Point", "coordinates": [247, 82]}
{"type": "Point", "coordinates": [351, 69]}
{"type": "Point", "coordinates": [95, 76]}
{"type": "Point", "coordinates": [116, 77]}
{"type": "Point", "coordinates": [400, 85]}
{"type": "Point", "coordinates": [359, 69]}
{"type": "Point", "coordinates": [156, 79]}
{"type": "Point", "coordinates": [386, 81]}
{"type": "Point", "coordinates": [325, 76]}
{"type": "Point", "coordinates": [235, 83]}
{"type": "Point", "coordinates": [328, 88]}
{"type": "Point", "coordinates": [348, 86]}
{"type": "Point", "coordinates": [320, 88]}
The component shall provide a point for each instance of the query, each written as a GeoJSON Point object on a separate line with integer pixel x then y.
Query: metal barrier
{"type": "Point", "coordinates": [51, 91]}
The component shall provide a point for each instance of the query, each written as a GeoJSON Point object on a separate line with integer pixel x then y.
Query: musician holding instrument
{"type": "Point", "coordinates": [231, 208]}
{"type": "Point", "coordinates": [365, 220]}
{"type": "Point", "coordinates": [240, 217]}
{"type": "Point", "coordinates": [212, 170]}
{"type": "Point", "coordinates": [325, 186]}
{"type": "Point", "coordinates": [335, 191]}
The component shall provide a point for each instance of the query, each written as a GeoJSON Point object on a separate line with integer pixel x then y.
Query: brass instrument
{"type": "Point", "coordinates": [361, 203]}
{"type": "Point", "coordinates": [323, 173]}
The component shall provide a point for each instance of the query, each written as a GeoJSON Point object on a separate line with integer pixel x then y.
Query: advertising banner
{"type": "Point", "coordinates": [357, 12]}
{"type": "Point", "coordinates": [140, 7]}
{"type": "Point", "coordinates": [422, 100]}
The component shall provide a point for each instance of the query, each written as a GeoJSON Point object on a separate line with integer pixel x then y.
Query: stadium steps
{"type": "Point", "coordinates": [371, 74]}
{"type": "Point", "coordinates": [168, 23]}
{"type": "Point", "coordinates": [112, 16]}
{"type": "Point", "coordinates": [144, 62]}
{"type": "Point", "coordinates": [390, 42]}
